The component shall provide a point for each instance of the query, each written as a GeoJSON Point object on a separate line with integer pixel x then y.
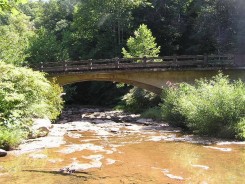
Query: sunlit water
{"type": "Point", "coordinates": [110, 153]}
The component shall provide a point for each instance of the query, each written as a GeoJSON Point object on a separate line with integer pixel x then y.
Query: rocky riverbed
{"type": "Point", "coordinates": [99, 145]}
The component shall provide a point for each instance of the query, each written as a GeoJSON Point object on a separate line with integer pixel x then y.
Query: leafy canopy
{"type": "Point", "coordinates": [142, 44]}
{"type": "Point", "coordinates": [44, 47]}
{"type": "Point", "coordinates": [14, 38]}
{"type": "Point", "coordinates": [10, 5]}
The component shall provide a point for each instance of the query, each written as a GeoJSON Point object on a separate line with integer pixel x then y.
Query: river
{"type": "Point", "coordinates": [102, 146]}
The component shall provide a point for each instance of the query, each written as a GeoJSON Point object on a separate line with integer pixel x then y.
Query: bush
{"type": "Point", "coordinates": [25, 94]}
{"type": "Point", "coordinates": [153, 113]}
{"type": "Point", "coordinates": [10, 138]}
{"type": "Point", "coordinates": [138, 100]}
{"type": "Point", "coordinates": [170, 107]}
{"type": "Point", "coordinates": [213, 107]}
{"type": "Point", "coordinates": [240, 129]}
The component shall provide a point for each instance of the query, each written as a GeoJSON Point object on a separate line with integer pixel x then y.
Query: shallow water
{"type": "Point", "coordinates": [109, 153]}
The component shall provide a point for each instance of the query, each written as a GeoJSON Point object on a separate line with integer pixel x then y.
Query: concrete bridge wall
{"type": "Point", "coordinates": [151, 79]}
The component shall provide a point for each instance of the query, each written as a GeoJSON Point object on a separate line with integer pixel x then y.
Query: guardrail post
{"type": "Point", "coordinates": [90, 64]}
{"type": "Point", "coordinates": [41, 67]}
{"type": "Point", "coordinates": [175, 60]}
{"type": "Point", "coordinates": [64, 66]}
{"type": "Point", "coordinates": [144, 61]}
{"type": "Point", "coordinates": [117, 62]}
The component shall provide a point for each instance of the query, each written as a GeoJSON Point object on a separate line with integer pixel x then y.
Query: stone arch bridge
{"type": "Point", "coordinates": [148, 73]}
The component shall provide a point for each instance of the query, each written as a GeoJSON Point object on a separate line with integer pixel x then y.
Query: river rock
{"type": "Point", "coordinates": [3, 153]}
{"type": "Point", "coordinates": [114, 130]}
{"type": "Point", "coordinates": [40, 128]}
{"type": "Point", "coordinates": [98, 121]}
{"type": "Point", "coordinates": [144, 121]}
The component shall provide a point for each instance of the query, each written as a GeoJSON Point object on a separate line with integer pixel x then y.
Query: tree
{"type": "Point", "coordinates": [14, 38]}
{"type": "Point", "coordinates": [102, 26]}
{"type": "Point", "coordinates": [142, 44]}
{"type": "Point", "coordinates": [212, 27]}
{"type": "Point", "coordinates": [10, 6]}
{"type": "Point", "coordinates": [44, 47]}
{"type": "Point", "coordinates": [166, 20]}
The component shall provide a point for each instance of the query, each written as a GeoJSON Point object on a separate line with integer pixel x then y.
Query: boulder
{"type": "Point", "coordinates": [40, 128]}
{"type": "Point", "coordinates": [3, 153]}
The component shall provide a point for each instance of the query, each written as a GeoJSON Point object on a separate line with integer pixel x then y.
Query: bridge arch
{"type": "Point", "coordinates": [153, 80]}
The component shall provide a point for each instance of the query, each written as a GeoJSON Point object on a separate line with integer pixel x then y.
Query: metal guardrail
{"type": "Point", "coordinates": [174, 61]}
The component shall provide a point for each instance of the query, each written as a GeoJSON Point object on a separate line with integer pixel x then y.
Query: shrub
{"type": "Point", "coordinates": [170, 108]}
{"type": "Point", "coordinates": [240, 129]}
{"type": "Point", "coordinates": [25, 94]}
{"type": "Point", "coordinates": [10, 138]}
{"type": "Point", "coordinates": [212, 107]}
{"type": "Point", "coordinates": [153, 113]}
{"type": "Point", "coordinates": [138, 100]}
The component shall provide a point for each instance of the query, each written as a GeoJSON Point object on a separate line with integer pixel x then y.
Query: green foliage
{"type": "Point", "coordinates": [14, 38]}
{"type": "Point", "coordinates": [101, 27]}
{"type": "Point", "coordinates": [10, 6]}
{"type": "Point", "coordinates": [10, 138]}
{"type": "Point", "coordinates": [240, 129]}
{"type": "Point", "coordinates": [212, 107]}
{"type": "Point", "coordinates": [153, 113]}
{"type": "Point", "coordinates": [26, 94]}
{"type": "Point", "coordinates": [143, 44]}
{"type": "Point", "coordinates": [138, 100]}
{"type": "Point", "coordinates": [44, 47]}
{"type": "Point", "coordinates": [70, 92]}
{"type": "Point", "coordinates": [170, 111]}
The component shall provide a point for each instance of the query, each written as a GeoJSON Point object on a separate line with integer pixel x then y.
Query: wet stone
{"type": "Point", "coordinates": [3, 153]}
